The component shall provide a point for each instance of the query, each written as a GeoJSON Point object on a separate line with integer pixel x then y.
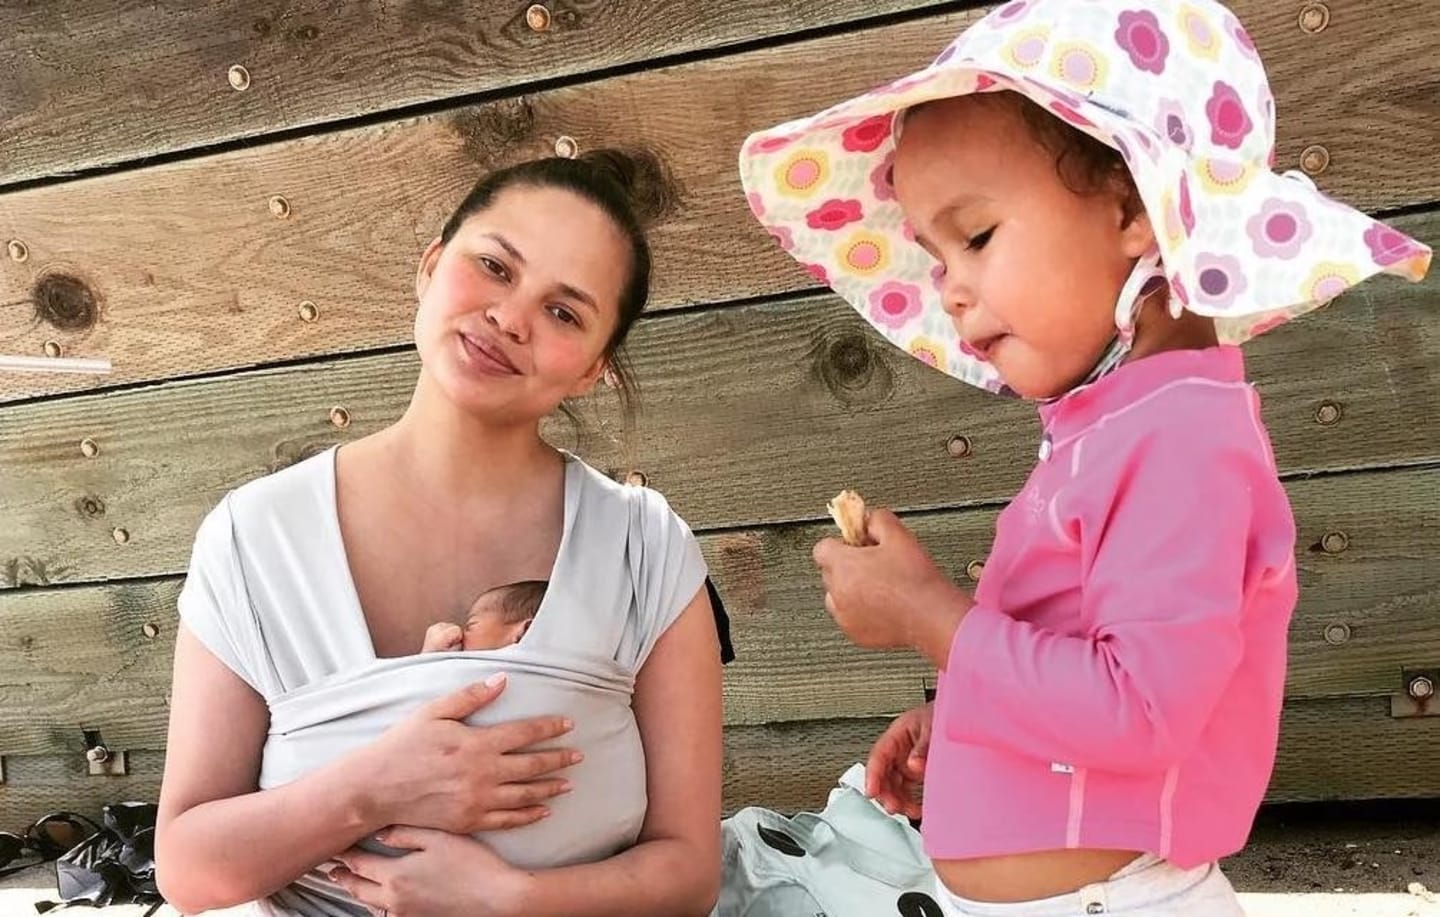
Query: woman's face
{"type": "Point", "coordinates": [517, 308]}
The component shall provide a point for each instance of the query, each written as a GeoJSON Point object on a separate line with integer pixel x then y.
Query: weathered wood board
{"type": "Point", "coordinates": [755, 415]}
{"type": "Point", "coordinates": [98, 657]}
{"type": "Point", "coordinates": [98, 82]}
{"type": "Point", "coordinates": [189, 272]}
{"type": "Point", "coordinates": [37, 785]}
{"type": "Point", "coordinates": [1342, 748]}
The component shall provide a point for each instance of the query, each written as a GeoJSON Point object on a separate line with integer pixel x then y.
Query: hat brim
{"type": "Point", "coordinates": [821, 186]}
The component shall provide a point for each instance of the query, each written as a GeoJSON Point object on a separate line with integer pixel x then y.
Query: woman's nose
{"type": "Point", "coordinates": [509, 318]}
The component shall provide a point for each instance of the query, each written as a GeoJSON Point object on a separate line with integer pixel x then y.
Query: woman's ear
{"type": "Point", "coordinates": [586, 383]}
{"type": "Point", "coordinates": [427, 267]}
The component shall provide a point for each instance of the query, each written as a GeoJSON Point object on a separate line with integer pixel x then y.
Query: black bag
{"type": "Point", "coordinates": [43, 841]}
{"type": "Point", "coordinates": [114, 865]}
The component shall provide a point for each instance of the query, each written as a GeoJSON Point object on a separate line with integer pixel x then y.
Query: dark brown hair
{"type": "Point", "coordinates": [520, 601]}
{"type": "Point", "coordinates": [634, 190]}
{"type": "Point", "coordinates": [1085, 165]}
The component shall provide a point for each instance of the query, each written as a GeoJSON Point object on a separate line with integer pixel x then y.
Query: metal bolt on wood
{"type": "Point", "coordinates": [279, 206]}
{"type": "Point", "coordinates": [121, 536]}
{"type": "Point", "coordinates": [1336, 634]}
{"type": "Point", "coordinates": [637, 478]}
{"type": "Point", "coordinates": [309, 312]}
{"type": "Point", "coordinates": [239, 78]}
{"type": "Point", "coordinates": [1314, 17]}
{"type": "Point", "coordinates": [1328, 413]}
{"type": "Point", "coordinates": [537, 17]}
{"type": "Point", "coordinates": [52, 349]}
{"type": "Point", "coordinates": [1314, 159]}
{"type": "Point", "coordinates": [1421, 687]}
{"type": "Point", "coordinates": [19, 251]}
{"type": "Point", "coordinates": [959, 446]}
{"type": "Point", "coordinates": [89, 448]}
{"type": "Point", "coordinates": [566, 147]}
{"type": "Point", "coordinates": [340, 417]}
{"type": "Point", "coordinates": [1335, 542]}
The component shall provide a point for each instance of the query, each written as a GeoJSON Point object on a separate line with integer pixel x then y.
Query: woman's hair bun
{"type": "Point", "coordinates": [648, 185]}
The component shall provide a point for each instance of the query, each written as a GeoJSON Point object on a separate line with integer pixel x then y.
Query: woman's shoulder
{"type": "Point", "coordinates": [641, 504]}
{"type": "Point", "coordinates": [290, 493]}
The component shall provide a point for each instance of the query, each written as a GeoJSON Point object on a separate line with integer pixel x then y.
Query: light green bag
{"type": "Point", "coordinates": [850, 859]}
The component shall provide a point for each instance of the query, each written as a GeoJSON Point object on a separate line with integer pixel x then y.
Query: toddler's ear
{"type": "Point", "coordinates": [1137, 238]}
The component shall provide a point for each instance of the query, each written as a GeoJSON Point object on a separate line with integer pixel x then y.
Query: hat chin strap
{"type": "Point", "coordinates": [1138, 288]}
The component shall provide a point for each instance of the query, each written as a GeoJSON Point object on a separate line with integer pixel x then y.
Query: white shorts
{"type": "Point", "coordinates": [1149, 886]}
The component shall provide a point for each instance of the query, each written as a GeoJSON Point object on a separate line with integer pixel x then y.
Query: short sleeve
{"type": "Point", "coordinates": [667, 569]}
{"type": "Point", "coordinates": [215, 606]}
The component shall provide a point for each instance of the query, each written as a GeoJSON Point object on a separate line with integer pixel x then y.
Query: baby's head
{"type": "Point", "coordinates": [1036, 227]}
{"type": "Point", "coordinates": [502, 615]}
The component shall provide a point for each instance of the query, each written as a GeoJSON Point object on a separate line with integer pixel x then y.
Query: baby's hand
{"type": "Point", "coordinates": [443, 637]}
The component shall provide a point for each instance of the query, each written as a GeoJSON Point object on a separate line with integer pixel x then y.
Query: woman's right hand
{"type": "Point", "coordinates": [896, 767]}
{"type": "Point", "coordinates": [432, 770]}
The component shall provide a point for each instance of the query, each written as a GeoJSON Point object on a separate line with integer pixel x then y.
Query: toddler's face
{"type": "Point", "coordinates": [1032, 269]}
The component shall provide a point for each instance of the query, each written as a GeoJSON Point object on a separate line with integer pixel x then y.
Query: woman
{"type": "Point", "coordinates": [524, 302]}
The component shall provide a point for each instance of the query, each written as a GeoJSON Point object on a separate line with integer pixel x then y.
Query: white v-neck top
{"type": "Point", "coordinates": [270, 593]}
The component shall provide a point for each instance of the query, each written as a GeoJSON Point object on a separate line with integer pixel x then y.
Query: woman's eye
{"type": "Point", "coordinates": [564, 315]}
{"type": "Point", "coordinates": [494, 267]}
{"type": "Point", "coordinates": [978, 242]}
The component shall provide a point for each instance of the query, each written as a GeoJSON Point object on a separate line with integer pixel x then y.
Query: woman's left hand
{"type": "Point", "coordinates": [444, 874]}
{"type": "Point", "coordinates": [889, 594]}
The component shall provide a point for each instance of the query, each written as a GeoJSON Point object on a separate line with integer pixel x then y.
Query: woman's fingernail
{"type": "Point", "coordinates": [496, 680]}
{"type": "Point", "coordinates": [576, 757]}
{"type": "Point", "coordinates": [566, 787]}
{"type": "Point", "coordinates": [567, 724]}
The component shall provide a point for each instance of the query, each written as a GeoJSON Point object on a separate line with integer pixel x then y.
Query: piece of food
{"type": "Point", "coordinates": [848, 511]}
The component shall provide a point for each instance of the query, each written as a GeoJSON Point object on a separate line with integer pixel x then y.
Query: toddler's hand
{"type": "Point", "coordinates": [891, 594]}
{"type": "Point", "coordinates": [896, 768]}
{"type": "Point", "coordinates": [443, 637]}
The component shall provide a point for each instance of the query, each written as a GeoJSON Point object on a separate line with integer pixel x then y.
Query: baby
{"type": "Point", "coordinates": [499, 617]}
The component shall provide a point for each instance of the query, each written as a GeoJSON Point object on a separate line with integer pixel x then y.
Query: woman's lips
{"type": "Point", "coordinates": [486, 357]}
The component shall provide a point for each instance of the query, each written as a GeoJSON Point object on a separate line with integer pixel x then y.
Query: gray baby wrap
{"type": "Point", "coordinates": [313, 726]}
{"type": "Point", "coordinates": [269, 593]}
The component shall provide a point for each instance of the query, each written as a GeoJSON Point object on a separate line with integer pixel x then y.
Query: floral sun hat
{"type": "Point", "coordinates": [1176, 86]}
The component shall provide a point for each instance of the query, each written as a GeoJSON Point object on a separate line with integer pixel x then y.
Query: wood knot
{"type": "Point", "coordinates": [489, 132]}
{"type": "Point", "coordinates": [261, 26]}
{"type": "Point", "coordinates": [289, 452]}
{"type": "Point", "coordinates": [90, 507]}
{"type": "Point", "coordinates": [848, 366]}
{"type": "Point", "coordinates": [306, 33]}
{"type": "Point", "coordinates": [65, 302]}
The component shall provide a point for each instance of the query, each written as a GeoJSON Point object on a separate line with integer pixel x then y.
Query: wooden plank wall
{"type": "Point", "coordinates": [139, 189]}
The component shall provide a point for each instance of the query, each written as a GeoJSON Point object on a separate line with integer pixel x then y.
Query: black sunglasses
{"type": "Point", "coordinates": [49, 838]}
